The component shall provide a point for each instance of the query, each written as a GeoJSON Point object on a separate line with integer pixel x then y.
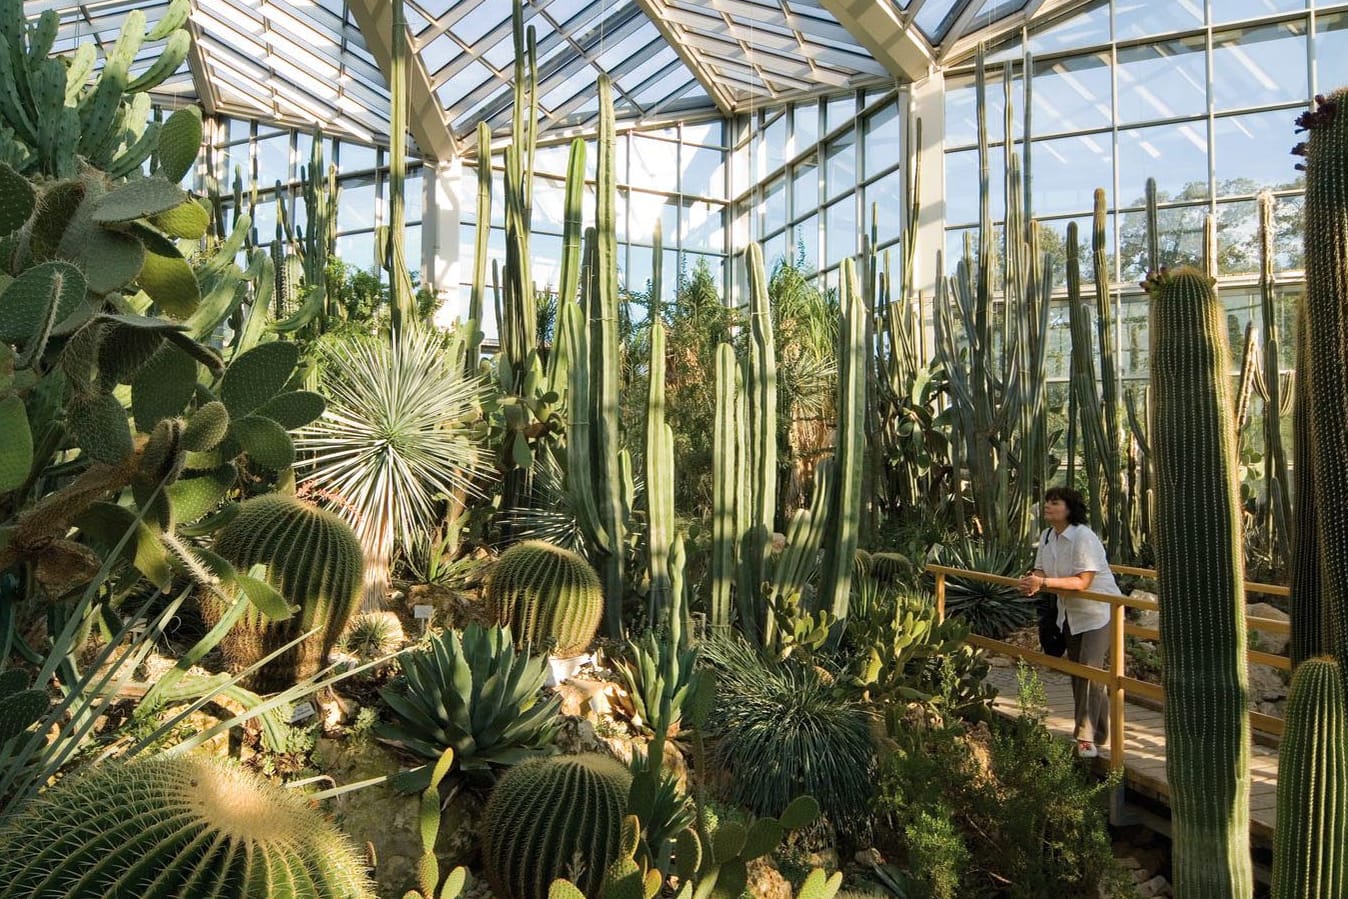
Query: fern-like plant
{"type": "Point", "coordinates": [398, 435]}
{"type": "Point", "coordinates": [783, 729]}
{"type": "Point", "coordinates": [474, 693]}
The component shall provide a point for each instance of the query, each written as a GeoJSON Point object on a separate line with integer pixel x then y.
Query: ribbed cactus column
{"type": "Point", "coordinates": [1312, 838]}
{"type": "Point", "coordinates": [546, 594]}
{"type": "Point", "coordinates": [1326, 348]}
{"type": "Point", "coordinates": [1200, 580]}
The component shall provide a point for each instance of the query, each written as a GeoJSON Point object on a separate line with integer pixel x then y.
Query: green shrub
{"type": "Point", "coordinates": [472, 692]}
{"type": "Point", "coordinates": [783, 729]}
{"type": "Point", "coordinates": [1031, 823]}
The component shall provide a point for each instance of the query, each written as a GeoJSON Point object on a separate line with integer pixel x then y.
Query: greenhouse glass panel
{"type": "Point", "coordinates": [1066, 171]}
{"type": "Point", "coordinates": [961, 186]}
{"type": "Point", "coordinates": [1259, 66]}
{"type": "Point", "coordinates": [884, 140]}
{"type": "Point", "coordinates": [1238, 10]}
{"type": "Point", "coordinates": [805, 187]}
{"type": "Point", "coordinates": [1251, 153]}
{"type": "Point", "coordinates": [1144, 18]}
{"type": "Point", "coordinates": [1072, 94]}
{"type": "Point", "coordinates": [1180, 238]}
{"type": "Point", "coordinates": [1175, 155]}
{"type": "Point", "coordinates": [1162, 80]}
{"type": "Point", "coordinates": [1087, 27]}
{"type": "Point", "coordinates": [1331, 52]}
{"type": "Point", "coordinates": [840, 231]}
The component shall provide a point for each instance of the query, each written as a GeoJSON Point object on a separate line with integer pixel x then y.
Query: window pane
{"type": "Point", "coordinates": [1238, 238]}
{"type": "Point", "coordinates": [1238, 10]}
{"type": "Point", "coordinates": [703, 171]}
{"type": "Point", "coordinates": [273, 160]}
{"type": "Point", "coordinates": [805, 243]}
{"type": "Point", "coordinates": [357, 207]}
{"type": "Point", "coordinates": [961, 109]}
{"type": "Point", "coordinates": [703, 227]}
{"type": "Point", "coordinates": [806, 121]}
{"type": "Point", "coordinates": [774, 206]}
{"type": "Point", "coordinates": [549, 205]}
{"type": "Point", "coordinates": [1331, 52]}
{"type": "Point", "coordinates": [357, 250]}
{"type": "Point", "coordinates": [961, 186]}
{"type": "Point", "coordinates": [1251, 153]}
{"type": "Point", "coordinates": [1140, 18]}
{"type": "Point", "coordinates": [1083, 29]}
{"type": "Point", "coordinates": [1180, 238]}
{"type": "Point", "coordinates": [840, 111]}
{"type": "Point", "coordinates": [884, 140]}
{"type": "Point", "coordinates": [711, 134]}
{"type": "Point", "coordinates": [1163, 80]}
{"type": "Point", "coordinates": [1066, 171]}
{"type": "Point", "coordinates": [886, 197]}
{"type": "Point", "coordinates": [654, 162]}
{"type": "Point", "coordinates": [840, 164]}
{"type": "Point", "coordinates": [1072, 94]}
{"type": "Point", "coordinates": [840, 231]}
{"type": "Point", "coordinates": [1175, 155]}
{"type": "Point", "coordinates": [1259, 66]}
{"type": "Point", "coordinates": [805, 188]}
{"type": "Point", "coordinates": [356, 157]}
{"type": "Point", "coordinates": [1053, 241]}
{"type": "Point", "coordinates": [774, 142]}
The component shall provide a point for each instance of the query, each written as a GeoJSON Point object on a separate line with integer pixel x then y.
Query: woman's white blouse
{"type": "Point", "coordinates": [1075, 550]}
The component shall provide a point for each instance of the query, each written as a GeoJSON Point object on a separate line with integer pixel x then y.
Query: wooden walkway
{"type": "Point", "coordinates": [1144, 741]}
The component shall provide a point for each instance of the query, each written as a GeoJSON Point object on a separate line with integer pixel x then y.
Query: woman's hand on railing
{"type": "Point", "coordinates": [1030, 584]}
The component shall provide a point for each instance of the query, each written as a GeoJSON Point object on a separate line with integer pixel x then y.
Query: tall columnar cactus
{"type": "Point", "coordinates": [1201, 586]}
{"type": "Point", "coordinates": [314, 560]}
{"type": "Point", "coordinates": [758, 473]}
{"type": "Point", "coordinates": [175, 826]}
{"type": "Point", "coordinates": [659, 479]}
{"type": "Point", "coordinates": [546, 594]}
{"type": "Point", "coordinates": [546, 814]}
{"type": "Point", "coordinates": [1312, 835]}
{"type": "Point", "coordinates": [1277, 513]}
{"type": "Point", "coordinates": [725, 480]}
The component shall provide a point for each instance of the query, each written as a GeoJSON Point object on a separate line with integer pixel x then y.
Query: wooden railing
{"type": "Point", "coordinates": [1115, 679]}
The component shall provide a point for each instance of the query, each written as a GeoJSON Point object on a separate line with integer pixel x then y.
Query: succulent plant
{"type": "Point", "coordinates": [993, 610]}
{"type": "Point", "coordinates": [314, 560]}
{"type": "Point", "coordinates": [474, 693]}
{"type": "Point", "coordinates": [547, 813]}
{"type": "Point", "coordinates": [175, 826]}
{"type": "Point", "coordinates": [373, 634]}
{"type": "Point", "coordinates": [549, 596]}
{"type": "Point", "coordinates": [1201, 584]}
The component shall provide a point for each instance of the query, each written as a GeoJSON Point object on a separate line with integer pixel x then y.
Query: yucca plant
{"type": "Point", "coordinates": [398, 436]}
{"type": "Point", "coordinates": [644, 670]}
{"type": "Point", "coordinates": [783, 729]}
{"type": "Point", "coordinates": [993, 610]}
{"type": "Point", "coordinates": [473, 693]}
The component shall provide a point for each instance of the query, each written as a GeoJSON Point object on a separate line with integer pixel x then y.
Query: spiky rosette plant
{"type": "Point", "coordinates": [314, 560]}
{"type": "Point", "coordinates": [472, 692]}
{"type": "Point", "coordinates": [547, 814]}
{"type": "Point", "coordinates": [549, 596]}
{"type": "Point", "coordinates": [993, 610]}
{"type": "Point", "coordinates": [1309, 847]}
{"type": "Point", "coordinates": [176, 826]}
{"type": "Point", "coordinates": [397, 436]}
{"type": "Point", "coordinates": [1201, 586]}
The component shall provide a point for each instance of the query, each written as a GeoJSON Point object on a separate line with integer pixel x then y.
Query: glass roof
{"type": "Point", "coordinates": [306, 62]}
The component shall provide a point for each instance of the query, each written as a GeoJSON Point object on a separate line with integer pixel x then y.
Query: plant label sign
{"type": "Point", "coordinates": [302, 712]}
{"type": "Point", "coordinates": [423, 613]}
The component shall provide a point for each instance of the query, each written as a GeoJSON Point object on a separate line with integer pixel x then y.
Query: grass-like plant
{"type": "Point", "coordinates": [397, 437]}
{"type": "Point", "coordinates": [993, 610]}
{"type": "Point", "coordinates": [785, 729]}
{"type": "Point", "coordinates": [473, 693]}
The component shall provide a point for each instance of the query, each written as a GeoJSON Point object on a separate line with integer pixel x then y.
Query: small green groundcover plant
{"type": "Point", "coordinates": [1020, 820]}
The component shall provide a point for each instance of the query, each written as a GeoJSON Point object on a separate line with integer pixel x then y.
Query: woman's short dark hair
{"type": "Point", "coordinates": [1076, 505]}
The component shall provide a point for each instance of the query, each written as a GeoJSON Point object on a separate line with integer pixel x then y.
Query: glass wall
{"type": "Point", "coordinates": [1201, 97]}
{"type": "Point", "coordinates": [261, 154]}
{"type": "Point", "coordinates": [676, 176]}
{"type": "Point", "coordinates": [808, 175]}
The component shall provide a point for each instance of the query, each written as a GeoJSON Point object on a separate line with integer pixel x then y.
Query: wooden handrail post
{"type": "Point", "coordinates": [1116, 687]}
{"type": "Point", "coordinates": [940, 597]}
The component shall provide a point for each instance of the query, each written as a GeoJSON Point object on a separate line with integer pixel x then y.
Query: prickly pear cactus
{"type": "Point", "coordinates": [546, 594]}
{"type": "Point", "coordinates": [178, 826]}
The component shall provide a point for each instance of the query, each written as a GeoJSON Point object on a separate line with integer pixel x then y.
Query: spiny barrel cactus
{"type": "Point", "coordinates": [547, 812]}
{"type": "Point", "coordinates": [314, 560]}
{"type": "Point", "coordinates": [180, 826]}
{"type": "Point", "coordinates": [1198, 565]}
{"type": "Point", "coordinates": [544, 592]}
{"type": "Point", "coordinates": [1309, 845]}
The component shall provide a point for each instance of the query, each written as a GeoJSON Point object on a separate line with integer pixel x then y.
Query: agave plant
{"type": "Point", "coordinates": [993, 610]}
{"type": "Point", "coordinates": [398, 436]}
{"type": "Point", "coordinates": [475, 694]}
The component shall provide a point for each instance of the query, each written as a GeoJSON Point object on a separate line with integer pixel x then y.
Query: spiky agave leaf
{"type": "Point", "coordinates": [396, 437]}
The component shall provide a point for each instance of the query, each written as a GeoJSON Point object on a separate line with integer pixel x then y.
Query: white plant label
{"type": "Point", "coordinates": [301, 712]}
{"type": "Point", "coordinates": [423, 612]}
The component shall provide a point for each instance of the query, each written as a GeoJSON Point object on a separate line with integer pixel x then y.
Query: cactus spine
{"type": "Point", "coordinates": [1309, 846]}
{"type": "Point", "coordinates": [1201, 587]}
{"type": "Point", "coordinates": [546, 812]}
{"type": "Point", "coordinates": [175, 826]}
{"type": "Point", "coordinates": [546, 593]}
{"type": "Point", "coordinates": [314, 560]}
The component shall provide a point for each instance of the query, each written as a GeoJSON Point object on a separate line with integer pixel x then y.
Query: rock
{"type": "Point", "coordinates": [576, 735]}
{"type": "Point", "coordinates": [1266, 684]}
{"type": "Point", "coordinates": [766, 882]}
{"type": "Point", "coordinates": [1268, 642]}
{"type": "Point", "coordinates": [591, 699]}
{"type": "Point", "coordinates": [1146, 617]}
{"type": "Point", "coordinates": [336, 710]}
{"type": "Point", "coordinates": [1157, 886]}
{"type": "Point", "coordinates": [826, 858]}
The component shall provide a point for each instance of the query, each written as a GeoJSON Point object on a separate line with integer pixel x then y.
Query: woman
{"type": "Point", "coordinates": [1071, 557]}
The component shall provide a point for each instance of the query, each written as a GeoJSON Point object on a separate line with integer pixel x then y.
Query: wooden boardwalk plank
{"type": "Point", "coordinates": [1144, 745]}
